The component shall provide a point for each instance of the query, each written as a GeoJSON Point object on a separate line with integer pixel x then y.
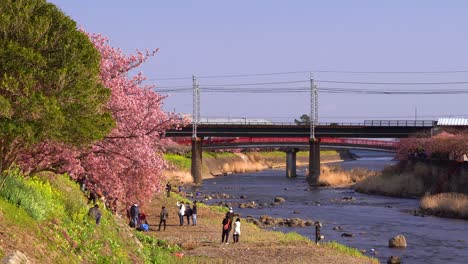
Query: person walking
{"type": "Point", "coordinates": [163, 216]}
{"type": "Point", "coordinates": [181, 212]}
{"type": "Point", "coordinates": [168, 189]}
{"type": "Point", "coordinates": [318, 236]}
{"type": "Point", "coordinates": [134, 211]}
{"type": "Point", "coordinates": [188, 213]}
{"type": "Point", "coordinates": [194, 213]}
{"type": "Point", "coordinates": [226, 230]}
{"type": "Point", "coordinates": [237, 231]}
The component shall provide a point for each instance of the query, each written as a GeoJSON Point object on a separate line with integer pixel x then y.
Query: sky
{"type": "Point", "coordinates": [333, 41]}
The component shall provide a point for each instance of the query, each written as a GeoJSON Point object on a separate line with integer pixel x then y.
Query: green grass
{"type": "Point", "coordinates": [346, 250]}
{"type": "Point", "coordinates": [282, 154]}
{"type": "Point", "coordinates": [292, 237]}
{"type": "Point", "coordinates": [14, 215]}
{"type": "Point", "coordinates": [179, 161]}
{"type": "Point", "coordinates": [36, 196]}
{"type": "Point", "coordinates": [218, 154]}
{"type": "Point", "coordinates": [68, 235]}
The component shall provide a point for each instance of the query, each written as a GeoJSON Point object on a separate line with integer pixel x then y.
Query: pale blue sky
{"type": "Point", "coordinates": [245, 36]}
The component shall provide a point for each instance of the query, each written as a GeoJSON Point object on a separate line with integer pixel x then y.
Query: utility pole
{"type": "Point", "coordinates": [196, 166]}
{"type": "Point", "coordinates": [312, 111]}
{"type": "Point", "coordinates": [313, 107]}
{"type": "Point", "coordinates": [196, 106]}
{"type": "Point", "coordinates": [314, 143]}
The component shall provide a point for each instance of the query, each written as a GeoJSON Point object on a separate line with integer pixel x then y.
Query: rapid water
{"type": "Point", "coordinates": [372, 219]}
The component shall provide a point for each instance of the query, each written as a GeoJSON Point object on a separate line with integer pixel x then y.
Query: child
{"type": "Point", "coordinates": [318, 236]}
{"type": "Point", "coordinates": [237, 232]}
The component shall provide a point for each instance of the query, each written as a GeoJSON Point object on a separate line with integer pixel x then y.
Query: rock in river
{"type": "Point", "coordinates": [393, 260]}
{"type": "Point", "coordinates": [279, 199]}
{"type": "Point", "coordinates": [398, 241]}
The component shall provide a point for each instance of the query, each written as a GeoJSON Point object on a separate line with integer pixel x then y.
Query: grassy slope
{"type": "Point", "coordinates": [57, 227]}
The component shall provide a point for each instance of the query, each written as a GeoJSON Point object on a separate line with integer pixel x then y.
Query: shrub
{"type": "Point", "coordinates": [446, 204]}
{"type": "Point", "coordinates": [37, 197]}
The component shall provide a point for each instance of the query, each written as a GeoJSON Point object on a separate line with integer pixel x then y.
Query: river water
{"type": "Point", "coordinates": [372, 219]}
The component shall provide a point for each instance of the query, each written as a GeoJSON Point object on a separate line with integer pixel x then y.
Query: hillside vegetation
{"type": "Point", "coordinates": [49, 211]}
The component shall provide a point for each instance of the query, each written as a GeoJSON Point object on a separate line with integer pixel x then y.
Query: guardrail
{"type": "Point", "coordinates": [250, 140]}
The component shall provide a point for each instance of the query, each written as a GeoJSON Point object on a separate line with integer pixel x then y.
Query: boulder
{"type": "Point", "coordinates": [394, 260]}
{"type": "Point", "coordinates": [347, 235]}
{"type": "Point", "coordinates": [279, 199]}
{"type": "Point", "coordinates": [16, 257]}
{"type": "Point", "coordinates": [398, 241]}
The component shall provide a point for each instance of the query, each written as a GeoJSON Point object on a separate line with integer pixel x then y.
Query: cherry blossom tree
{"type": "Point", "coordinates": [441, 146]}
{"type": "Point", "coordinates": [127, 164]}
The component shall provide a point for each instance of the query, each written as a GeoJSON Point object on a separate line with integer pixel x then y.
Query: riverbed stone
{"type": "Point", "coordinates": [347, 235]}
{"type": "Point", "coordinates": [394, 260]}
{"type": "Point", "coordinates": [398, 242]}
{"type": "Point", "coordinates": [279, 199]}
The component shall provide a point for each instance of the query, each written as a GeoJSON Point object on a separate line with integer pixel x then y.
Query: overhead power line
{"type": "Point", "coordinates": [394, 83]}
{"type": "Point", "coordinates": [311, 71]}
{"type": "Point", "coordinates": [335, 90]}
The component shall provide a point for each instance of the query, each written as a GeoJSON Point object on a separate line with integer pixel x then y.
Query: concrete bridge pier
{"type": "Point", "coordinates": [291, 162]}
{"type": "Point", "coordinates": [196, 168]}
{"type": "Point", "coordinates": [314, 161]}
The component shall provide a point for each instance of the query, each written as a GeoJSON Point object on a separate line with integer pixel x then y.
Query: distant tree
{"type": "Point", "coordinates": [443, 146]}
{"type": "Point", "coordinates": [49, 88]}
{"type": "Point", "coordinates": [126, 164]}
{"type": "Point", "coordinates": [303, 120]}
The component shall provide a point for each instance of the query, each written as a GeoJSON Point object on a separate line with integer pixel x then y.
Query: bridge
{"type": "Point", "coordinates": [284, 143]}
{"type": "Point", "coordinates": [367, 129]}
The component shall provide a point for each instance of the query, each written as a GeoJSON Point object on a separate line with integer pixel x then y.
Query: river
{"type": "Point", "coordinates": [372, 219]}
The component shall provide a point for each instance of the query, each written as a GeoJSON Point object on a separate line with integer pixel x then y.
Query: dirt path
{"type": "Point", "coordinates": [256, 245]}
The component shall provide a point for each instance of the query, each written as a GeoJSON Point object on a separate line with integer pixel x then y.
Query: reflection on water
{"type": "Point", "coordinates": [372, 219]}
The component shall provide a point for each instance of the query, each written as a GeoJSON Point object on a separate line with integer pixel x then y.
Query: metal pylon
{"type": "Point", "coordinates": [196, 106]}
{"type": "Point", "coordinates": [313, 108]}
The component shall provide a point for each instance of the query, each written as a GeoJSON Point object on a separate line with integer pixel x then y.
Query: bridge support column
{"type": "Point", "coordinates": [196, 168]}
{"type": "Point", "coordinates": [291, 163]}
{"type": "Point", "coordinates": [314, 161]}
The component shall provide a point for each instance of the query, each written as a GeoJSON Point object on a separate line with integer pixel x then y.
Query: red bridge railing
{"type": "Point", "coordinates": [250, 140]}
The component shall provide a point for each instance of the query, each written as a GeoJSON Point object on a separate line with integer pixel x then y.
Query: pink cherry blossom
{"type": "Point", "coordinates": [127, 164]}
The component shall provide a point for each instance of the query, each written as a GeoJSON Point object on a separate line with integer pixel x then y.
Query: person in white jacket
{"type": "Point", "coordinates": [237, 231]}
{"type": "Point", "coordinates": [181, 212]}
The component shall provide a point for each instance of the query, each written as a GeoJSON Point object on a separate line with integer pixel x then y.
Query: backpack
{"type": "Point", "coordinates": [226, 226]}
{"type": "Point", "coordinates": [144, 227]}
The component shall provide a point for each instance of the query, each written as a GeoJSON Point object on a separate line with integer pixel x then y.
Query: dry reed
{"type": "Point", "coordinates": [335, 176]}
{"type": "Point", "coordinates": [405, 185]}
{"type": "Point", "coordinates": [182, 177]}
{"type": "Point", "coordinates": [446, 204]}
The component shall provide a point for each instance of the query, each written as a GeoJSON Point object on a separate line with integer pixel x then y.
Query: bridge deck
{"type": "Point", "coordinates": [396, 129]}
